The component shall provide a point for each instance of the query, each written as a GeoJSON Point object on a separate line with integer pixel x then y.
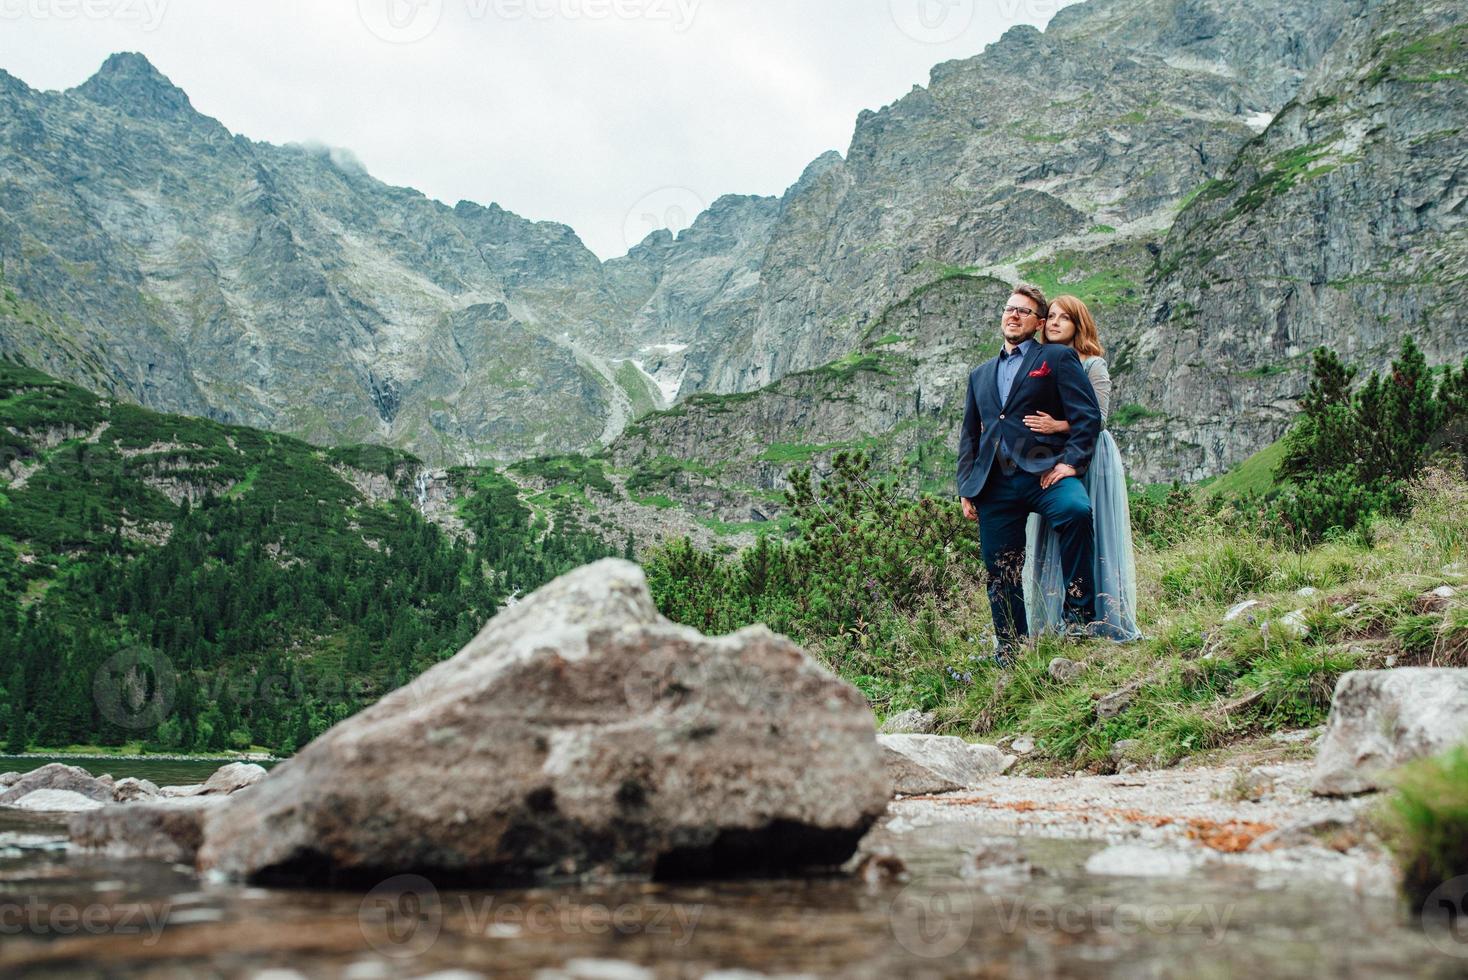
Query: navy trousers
{"type": "Point", "coordinates": [1009, 496]}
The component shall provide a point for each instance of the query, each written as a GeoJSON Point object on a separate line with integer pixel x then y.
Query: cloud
{"type": "Point", "coordinates": [573, 117]}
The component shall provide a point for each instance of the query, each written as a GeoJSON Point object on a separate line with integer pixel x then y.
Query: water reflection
{"type": "Point", "coordinates": [66, 913]}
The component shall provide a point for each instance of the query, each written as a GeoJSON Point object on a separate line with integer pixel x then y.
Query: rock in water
{"type": "Point", "coordinates": [578, 732]}
{"type": "Point", "coordinates": [57, 801]}
{"type": "Point", "coordinates": [129, 788]}
{"type": "Point", "coordinates": [1380, 719]}
{"type": "Point", "coordinates": [232, 777]}
{"type": "Point", "coordinates": [59, 776]}
{"type": "Point", "coordinates": [164, 830]}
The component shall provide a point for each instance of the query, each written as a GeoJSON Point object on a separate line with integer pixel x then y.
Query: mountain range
{"type": "Point", "coordinates": [1229, 183]}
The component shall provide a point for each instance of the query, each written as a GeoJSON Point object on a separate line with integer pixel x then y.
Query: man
{"type": "Point", "coordinates": [1006, 471]}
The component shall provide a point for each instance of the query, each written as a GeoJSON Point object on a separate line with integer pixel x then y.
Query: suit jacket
{"type": "Point", "coordinates": [1051, 380]}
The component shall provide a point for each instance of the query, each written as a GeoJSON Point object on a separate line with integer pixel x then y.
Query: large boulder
{"type": "Point", "coordinates": [579, 732]}
{"type": "Point", "coordinates": [1380, 719]}
{"type": "Point", "coordinates": [919, 764]}
{"type": "Point", "coordinates": [232, 777]}
{"type": "Point", "coordinates": [59, 776]}
{"type": "Point", "coordinates": [165, 830]}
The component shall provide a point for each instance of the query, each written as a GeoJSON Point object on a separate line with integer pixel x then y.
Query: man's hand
{"type": "Point", "coordinates": [969, 511]}
{"type": "Point", "coordinates": [1042, 422]}
{"type": "Point", "coordinates": [1055, 474]}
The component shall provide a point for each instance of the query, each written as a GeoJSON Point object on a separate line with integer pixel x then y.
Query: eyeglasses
{"type": "Point", "coordinates": [1021, 310]}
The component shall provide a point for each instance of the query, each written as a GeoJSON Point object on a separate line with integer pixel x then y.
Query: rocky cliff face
{"type": "Point", "coordinates": [1122, 154]}
{"type": "Point", "coordinates": [1098, 127]}
{"type": "Point", "coordinates": [1344, 224]}
{"type": "Point", "coordinates": [196, 271]}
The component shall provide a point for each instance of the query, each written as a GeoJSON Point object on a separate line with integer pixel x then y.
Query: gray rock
{"type": "Point", "coordinates": [1116, 702]}
{"type": "Point", "coordinates": [1022, 745]}
{"type": "Point", "coordinates": [910, 722]}
{"type": "Point", "coordinates": [1255, 784]}
{"type": "Point", "coordinates": [1238, 609]}
{"type": "Point", "coordinates": [880, 867]}
{"type": "Point", "coordinates": [1380, 719]}
{"type": "Point", "coordinates": [232, 777]}
{"type": "Point", "coordinates": [164, 829]}
{"type": "Point", "coordinates": [56, 801]}
{"type": "Point", "coordinates": [1298, 736]}
{"type": "Point", "coordinates": [1063, 671]}
{"type": "Point", "coordinates": [8, 778]}
{"type": "Point", "coordinates": [1294, 623]}
{"type": "Point", "coordinates": [57, 775]}
{"type": "Point", "coordinates": [1310, 832]}
{"type": "Point", "coordinates": [1141, 861]}
{"type": "Point", "coordinates": [129, 788]}
{"type": "Point", "coordinates": [1003, 859]}
{"type": "Point", "coordinates": [919, 764]}
{"type": "Point", "coordinates": [1122, 748]}
{"type": "Point", "coordinates": [579, 732]}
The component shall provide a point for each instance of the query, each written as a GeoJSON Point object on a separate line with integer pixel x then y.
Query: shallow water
{"type": "Point", "coordinates": [164, 772]}
{"type": "Point", "coordinates": [68, 913]}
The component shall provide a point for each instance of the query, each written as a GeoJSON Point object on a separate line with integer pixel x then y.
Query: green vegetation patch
{"type": "Point", "coordinates": [638, 388]}
{"type": "Point", "coordinates": [579, 471]}
{"type": "Point", "coordinates": [1435, 58]}
{"type": "Point", "coordinates": [1281, 173]}
{"type": "Point", "coordinates": [280, 607]}
{"type": "Point", "coordinates": [1131, 414]}
{"type": "Point", "coordinates": [1426, 825]}
{"type": "Point", "coordinates": [1253, 475]}
{"type": "Point", "coordinates": [1073, 273]}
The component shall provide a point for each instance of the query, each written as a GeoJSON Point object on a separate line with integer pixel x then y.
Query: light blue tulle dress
{"type": "Point", "coordinates": [1116, 568]}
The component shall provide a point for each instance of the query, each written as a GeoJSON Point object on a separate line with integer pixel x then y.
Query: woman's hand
{"type": "Point", "coordinates": [1040, 422]}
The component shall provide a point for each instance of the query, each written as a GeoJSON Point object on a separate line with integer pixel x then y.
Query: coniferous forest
{"type": "Point", "coordinates": [185, 585]}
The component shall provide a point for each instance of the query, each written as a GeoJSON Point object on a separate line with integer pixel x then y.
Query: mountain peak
{"type": "Point", "coordinates": [129, 82]}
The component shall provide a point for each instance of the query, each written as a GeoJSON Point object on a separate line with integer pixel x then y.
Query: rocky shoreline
{"type": "Point", "coordinates": [146, 757]}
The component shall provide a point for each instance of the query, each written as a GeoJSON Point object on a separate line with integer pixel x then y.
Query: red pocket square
{"type": "Point", "coordinates": [1043, 371]}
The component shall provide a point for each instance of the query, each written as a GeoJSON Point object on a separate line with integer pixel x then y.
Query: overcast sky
{"type": "Point", "coordinates": [613, 116]}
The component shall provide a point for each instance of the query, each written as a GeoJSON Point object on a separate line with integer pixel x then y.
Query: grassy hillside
{"type": "Point", "coordinates": [887, 590]}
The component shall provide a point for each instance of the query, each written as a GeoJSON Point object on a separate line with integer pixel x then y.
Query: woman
{"type": "Point", "coordinates": [1071, 323]}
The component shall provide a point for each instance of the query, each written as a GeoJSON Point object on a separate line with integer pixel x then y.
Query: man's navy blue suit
{"type": "Point", "coordinates": [1000, 462]}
